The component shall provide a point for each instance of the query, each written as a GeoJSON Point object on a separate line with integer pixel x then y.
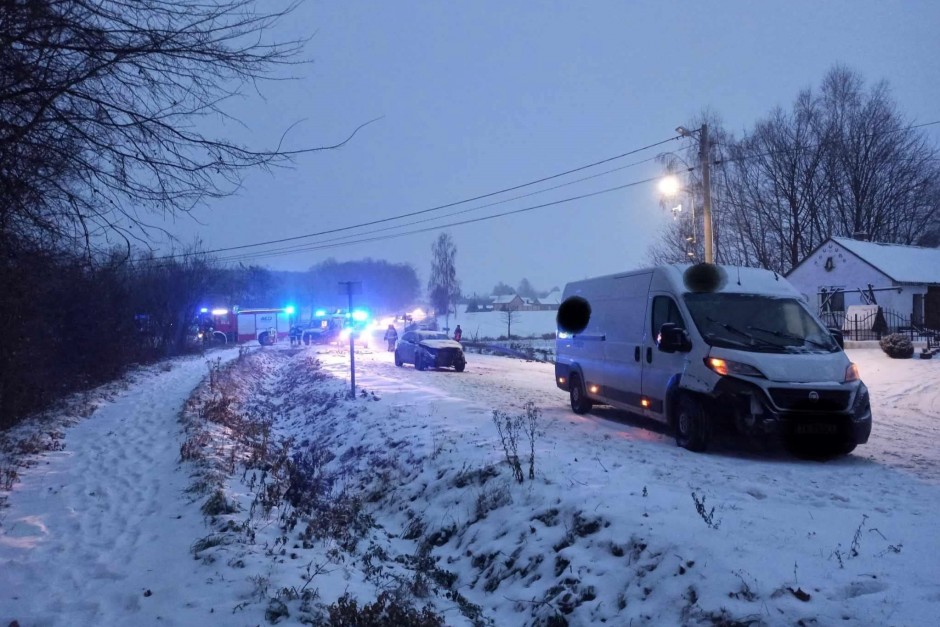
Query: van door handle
{"type": "Point", "coordinates": [649, 355]}
{"type": "Point", "coordinates": [636, 354]}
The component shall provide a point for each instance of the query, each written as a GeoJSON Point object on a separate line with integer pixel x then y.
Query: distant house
{"type": "Point", "coordinates": [508, 302]}
{"type": "Point", "coordinates": [842, 272]}
{"type": "Point", "coordinates": [551, 301]}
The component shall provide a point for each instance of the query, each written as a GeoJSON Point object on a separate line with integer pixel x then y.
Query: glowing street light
{"type": "Point", "coordinates": [669, 186]}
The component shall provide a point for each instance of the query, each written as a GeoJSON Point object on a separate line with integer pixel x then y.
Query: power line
{"type": "Point", "coordinates": [338, 242]}
{"type": "Point", "coordinates": [423, 211]}
{"type": "Point", "coordinates": [324, 245]}
{"type": "Point", "coordinates": [302, 247]}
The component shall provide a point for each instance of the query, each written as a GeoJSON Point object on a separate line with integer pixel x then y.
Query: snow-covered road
{"type": "Point", "coordinates": [905, 402]}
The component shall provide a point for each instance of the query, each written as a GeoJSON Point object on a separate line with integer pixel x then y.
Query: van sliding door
{"type": "Point", "coordinates": [625, 312]}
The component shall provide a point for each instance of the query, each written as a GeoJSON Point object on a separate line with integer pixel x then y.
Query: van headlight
{"type": "Point", "coordinates": [851, 374]}
{"type": "Point", "coordinates": [725, 367]}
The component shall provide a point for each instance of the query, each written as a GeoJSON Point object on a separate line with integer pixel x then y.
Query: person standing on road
{"type": "Point", "coordinates": [391, 336]}
{"type": "Point", "coordinates": [458, 333]}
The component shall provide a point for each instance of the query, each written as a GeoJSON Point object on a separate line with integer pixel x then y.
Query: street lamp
{"type": "Point", "coordinates": [705, 159]}
{"type": "Point", "coordinates": [670, 187]}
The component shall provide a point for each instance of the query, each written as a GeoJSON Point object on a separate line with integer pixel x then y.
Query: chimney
{"type": "Point", "coordinates": [861, 236]}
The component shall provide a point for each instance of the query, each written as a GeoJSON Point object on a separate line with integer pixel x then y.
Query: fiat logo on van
{"type": "Point", "coordinates": [814, 396]}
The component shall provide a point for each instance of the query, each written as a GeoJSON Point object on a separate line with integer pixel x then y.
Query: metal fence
{"type": "Point", "coordinates": [877, 324]}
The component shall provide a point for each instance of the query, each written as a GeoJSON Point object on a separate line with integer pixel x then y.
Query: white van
{"type": "Point", "coordinates": [747, 353]}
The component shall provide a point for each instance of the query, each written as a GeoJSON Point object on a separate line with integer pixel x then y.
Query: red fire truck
{"type": "Point", "coordinates": [266, 325]}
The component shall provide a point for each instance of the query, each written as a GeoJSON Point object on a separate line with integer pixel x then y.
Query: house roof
{"type": "Point", "coordinates": [903, 264]}
{"type": "Point", "coordinates": [553, 298]}
{"type": "Point", "coordinates": [505, 298]}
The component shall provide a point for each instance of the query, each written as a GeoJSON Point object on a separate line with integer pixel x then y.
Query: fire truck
{"type": "Point", "coordinates": [266, 325]}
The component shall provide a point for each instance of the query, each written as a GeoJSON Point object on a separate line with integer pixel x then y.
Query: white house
{"type": "Point", "coordinates": [551, 301]}
{"type": "Point", "coordinates": [901, 279]}
{"type": "Point", "coordinates": [508, 302]}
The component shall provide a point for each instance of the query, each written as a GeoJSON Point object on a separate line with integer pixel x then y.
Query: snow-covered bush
{"type": "Point", "coordinates": [385, 611]}
{"type": "Point", "coordinates": [897, 346]}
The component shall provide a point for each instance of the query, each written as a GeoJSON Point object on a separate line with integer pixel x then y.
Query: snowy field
{"type": "Point", "coordinates": [407, 490]}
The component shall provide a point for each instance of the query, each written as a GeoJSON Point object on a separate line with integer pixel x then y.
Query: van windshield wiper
{"type": "Point", "coordinates": [791, 336]}
{"type": "Point", "coordinates": [734, 329]}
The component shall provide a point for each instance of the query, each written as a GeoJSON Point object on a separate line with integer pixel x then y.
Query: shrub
{"type": "Point", "coordinates": [897, 346]}
{"type": "Point", "coordinates": [386, 611]}
{"type": "Point", "coordinates": [218, 505]}
{"type": "Point", "coordinates": [510, 430]}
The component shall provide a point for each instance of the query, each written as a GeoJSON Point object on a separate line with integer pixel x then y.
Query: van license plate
{"type": "Point", "coordinates": [816, 429]}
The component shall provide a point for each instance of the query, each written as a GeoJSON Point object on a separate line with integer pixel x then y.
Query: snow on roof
{"type": "Point", "coordinates": [904, 264]}
{"type": "Point", "coordinates": [505, 298]}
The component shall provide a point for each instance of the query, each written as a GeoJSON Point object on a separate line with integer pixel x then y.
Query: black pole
{"type": "Point", "coordinates": [352, 341]}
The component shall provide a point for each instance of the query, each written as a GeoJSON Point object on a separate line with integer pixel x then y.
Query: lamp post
{"type": "Point", "coordinates": [705, 160]}
{"type": "Point", "coordinates": [670, 186]}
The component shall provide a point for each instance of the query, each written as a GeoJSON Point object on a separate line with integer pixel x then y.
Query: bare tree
{"type": "Point", "coordinates": [510, 314]}
{"type": "Point", "coordinates": [841, 161]}
{"type": "Point", "coordinates": [884, 173]}
{"type": "Point", "coordinates": [443, 286]}
{"type": "Point", "coordinates": [100, 102]}
{"type": "Point", "coordinates": [170, 291]}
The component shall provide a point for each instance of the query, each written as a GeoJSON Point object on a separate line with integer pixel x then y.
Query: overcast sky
{"type": "Point", "coordinates": [478, 96]}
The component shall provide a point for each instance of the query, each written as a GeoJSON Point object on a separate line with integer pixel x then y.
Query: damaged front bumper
{"type": "Point", "coordinates": [838, 412]}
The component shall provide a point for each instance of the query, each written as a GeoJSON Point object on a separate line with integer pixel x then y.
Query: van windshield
{"type": "Point", "coordinates": [759, 323]}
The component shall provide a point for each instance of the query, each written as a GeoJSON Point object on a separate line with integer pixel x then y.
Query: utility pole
{"type": "Point", "coordinates": [705, 155]}
{"type": "Point", "coordinates": [350, 287]}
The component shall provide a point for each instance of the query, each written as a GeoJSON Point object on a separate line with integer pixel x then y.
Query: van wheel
{"type": "Point", "coordinates": [263, 339]}
{"type": "Point", "coordinates": [580, 403]}
{"type": "Point", "coordinates": [398, 361]}
{"type": "Point", "coordinates": [692, 427]}
{"type": "Point", "coordinates": [847, 448]}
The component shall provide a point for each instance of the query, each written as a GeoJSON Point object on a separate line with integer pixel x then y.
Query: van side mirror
{"type": "Point", "coordinates": [673, 339]}
{"type": "Point", "coordinates": [836, 334]}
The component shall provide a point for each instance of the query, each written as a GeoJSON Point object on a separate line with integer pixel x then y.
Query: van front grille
{"type": "Point", "coordinates": [810, 400]}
